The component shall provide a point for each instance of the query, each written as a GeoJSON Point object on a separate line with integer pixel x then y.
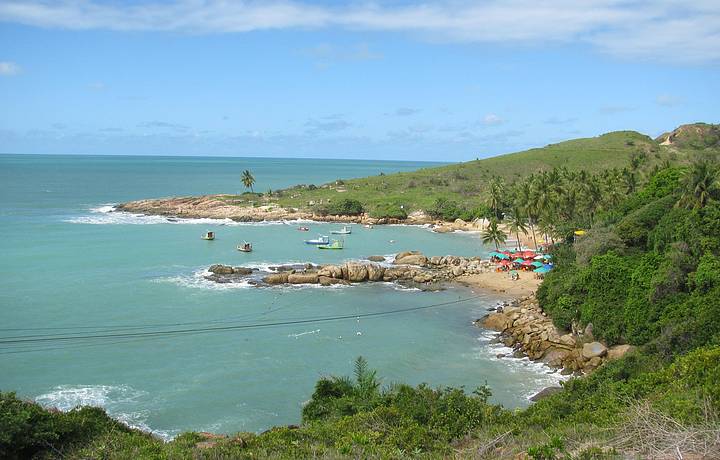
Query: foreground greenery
{"type": "Point", "coordinates": [646, 272]}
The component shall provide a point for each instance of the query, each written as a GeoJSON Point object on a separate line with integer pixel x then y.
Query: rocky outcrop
{"type": "Point", "coordinates": [525, 327]}
{"type": "Point", "coordinates": [411, 268]}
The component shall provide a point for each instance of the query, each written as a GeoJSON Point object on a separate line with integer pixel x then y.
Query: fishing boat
{"type": "Point", "coordinates": [209, 236]}
{"type": "Point", "coordinates": [245, 247]}
{"type": "Point", "coordinates": [336, 244]}
{"type": "Point", "coordinates": [346, 230]}
{"type": "Point", "coordinates": [321, 239]}
{"type": "Point", "coordinates": [303, 229]}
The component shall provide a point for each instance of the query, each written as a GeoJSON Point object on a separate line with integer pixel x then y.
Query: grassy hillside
{"type": "Point", "coordinates": [467, 183]}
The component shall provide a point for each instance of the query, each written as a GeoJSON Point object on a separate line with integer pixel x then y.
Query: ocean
{"type": "Point", "coordinates": [111, 309]}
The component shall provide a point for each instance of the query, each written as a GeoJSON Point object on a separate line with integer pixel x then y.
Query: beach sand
{"type": "Point", "coordinates": [501, 282]}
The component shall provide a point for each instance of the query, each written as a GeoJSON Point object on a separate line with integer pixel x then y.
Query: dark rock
{"type": "Point", "coordinates": [242, 271]}
{"type": "Point", "coordinates": [376, 259]}
{"type": "Point", "coordinates": [545, 393]}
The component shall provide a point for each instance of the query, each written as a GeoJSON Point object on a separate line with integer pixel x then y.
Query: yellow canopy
{"type": "Point", "coordinates": [579, 232]}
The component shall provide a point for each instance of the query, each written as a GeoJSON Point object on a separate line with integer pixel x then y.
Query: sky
{"type": "Point", "coordinates": [433, 80]}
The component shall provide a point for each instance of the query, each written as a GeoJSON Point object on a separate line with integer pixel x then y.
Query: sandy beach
{"type": "Point", "coordinates": [500, 282]}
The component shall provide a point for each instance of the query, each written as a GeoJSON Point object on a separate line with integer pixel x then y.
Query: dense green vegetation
{"type": "Point", "coordinates": [646, 272]}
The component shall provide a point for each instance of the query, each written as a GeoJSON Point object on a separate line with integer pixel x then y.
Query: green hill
{"type": "Point", "coordinates": [467, 183]}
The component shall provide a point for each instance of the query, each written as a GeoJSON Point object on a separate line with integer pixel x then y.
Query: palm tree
{"type": "Point", "coordinates": [493, 234]}
{"type": "Point", "coordinates": [248, 180]}
{"type": "Point", "coordinates": [525, 202]}
{"type": "Point", "coordinates": [517, 224]}
{"type": "Point", "coordinates": [699, 185]}
{"type": "Point", "coordinates": [496, 196]}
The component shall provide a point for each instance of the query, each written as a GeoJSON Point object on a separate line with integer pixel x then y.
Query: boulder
{"type": "Point", "coordinates": [355, 272]}
{"type": "Point", "coordinates": [375, 272]}
{"type": "Point", "coordinates": [618, 351]}
{"type": "Point", "coordinates": [442, 229]}
{"type": "Point", "coordinates": [411, 259]}
{"type": "Point", "coordinates": [497, 322]}
{"type": "Point", "coordinates": [328, 281]}
{"type": "Point", "coordinates": [376, 258]}
{"type": "Point", "coordinates": [545, 393]}
{"type": "Point", "coordinates": [435, 260]}
{"type": "Point", "coordinates": [555, 356]}
{"type": "Point", "coordinates": [331, 271]}
{"type": "Point", "coordinates": [277, 278]}
{"type": "Point", "coordinates": [568, 340]}
{"type": "Point", "coordinates": [303, 278]}
{"type": "Point", "coordinates": [593, 349]}
{"type": "Point", "coordinates": [242, 271]}
{"type": "Point", "coordinates": [457, 271]}
{"type": "Point", "coordinates": [219, 269]}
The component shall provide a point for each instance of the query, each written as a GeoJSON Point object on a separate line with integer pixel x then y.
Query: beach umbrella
{"type": "Point", "coordinates": [518, 260]}
{"type": "Point", "coordinates": [528, 254]}
{"type": "Point", "coordinates": [539, 256]}
{"type": "Point", "coordinates": [536, 264]}
{"type": "Point", "coordinates": [527, 263]}
{"type": "Point", "coordinates": [547, 256]}
{"type": "Point", "coordinates": [541, 270]}
{"type": "Point", "coordinates": [579, 232]}
{"type": "Point", "coordinates": [504, 262]}
{"type": "Point", "coordinates": [548, 266]}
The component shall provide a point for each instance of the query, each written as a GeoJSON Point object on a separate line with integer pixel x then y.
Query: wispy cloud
{"type": "Point", "coordinates": [669, 100]}
{"type": "Point", "coordinates": [327, 124]}
{"type": "Point", "coordinates": [163, 125]}
{"type": "Point", "coordinates": [492, 120]}
{"type": "Point", "coordinates": [665, 30]}
{"type": "Point", "coordinates": [328, 52]}
{"type": "Point", "coordinates": [405, 111]}
{"type": "Point", "coordinates": [9, 68]}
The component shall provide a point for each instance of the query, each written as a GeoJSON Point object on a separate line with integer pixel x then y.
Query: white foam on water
{"type": "Point", "coordinates": [197, 280]}
{"type": "Point", "coordinates": [115, 399]}
{"type": "Point", "coordinates": [300, 334]}
{"type": "Point", "coordinates": [540, 374]}
{"type": "Point", "coordinates": [107, 214]}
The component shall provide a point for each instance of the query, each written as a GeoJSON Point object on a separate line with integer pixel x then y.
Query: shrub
{"type": "Point", "coordinates": [345, 207]}
{"type": "Point", "coordinates": [633, 229]}
{"type": "Point", "coordinates": [597, 241]}
{"type": "Point", "coordinates": [389, 211]}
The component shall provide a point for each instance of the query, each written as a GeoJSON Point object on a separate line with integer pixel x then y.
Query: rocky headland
{"type": "Point", "coordinates": [530, 332]}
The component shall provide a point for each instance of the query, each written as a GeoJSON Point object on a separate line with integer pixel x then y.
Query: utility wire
{"type": "Point", "coordinates": [187, 331]}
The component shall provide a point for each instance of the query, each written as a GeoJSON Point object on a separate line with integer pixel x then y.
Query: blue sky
{"type": "Point", "coordinates": [442, 80]}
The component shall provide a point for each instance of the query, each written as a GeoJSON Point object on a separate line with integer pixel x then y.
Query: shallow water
{"type": "Point", "coordinates": [70, 263]}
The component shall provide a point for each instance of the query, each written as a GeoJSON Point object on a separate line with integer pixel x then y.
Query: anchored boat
{"type": "Point", "coordinates": [209, 236]}
{"type": "Point", "coordinates": [245, 247]}
{"type": "Point", "coordinates": [346, 230]}
{"type": "Point", "coordinates": [336, 244]}
{"type": "Point", "coordinates": [321, 239]}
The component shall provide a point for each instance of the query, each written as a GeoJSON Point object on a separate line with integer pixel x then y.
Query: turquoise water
{"type": "Point", "coordinates": [71, 268]}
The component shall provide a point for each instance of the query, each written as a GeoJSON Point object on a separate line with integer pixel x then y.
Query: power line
{"type": "Point", "coordinates": [191, 331]}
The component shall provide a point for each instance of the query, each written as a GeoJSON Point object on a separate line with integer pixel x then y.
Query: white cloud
{"type": "Point", "coordinates": [9, 68]}
{"type": "Point", "coordinates": [492, 120]}
{"type": "Point", "coordinates": [664, 30]}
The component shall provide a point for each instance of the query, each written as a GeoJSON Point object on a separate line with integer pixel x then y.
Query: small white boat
{"type": "Point", "coordinates": [209, 236]}
{"type": "Point", "coordinates": [321, 239]}
{"type": "Point", "coordinates": [346, 230]}
{"type": "Point", "coordinates": [245, 247]}
{"type": "Point", "coordinates": [368, 226]}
